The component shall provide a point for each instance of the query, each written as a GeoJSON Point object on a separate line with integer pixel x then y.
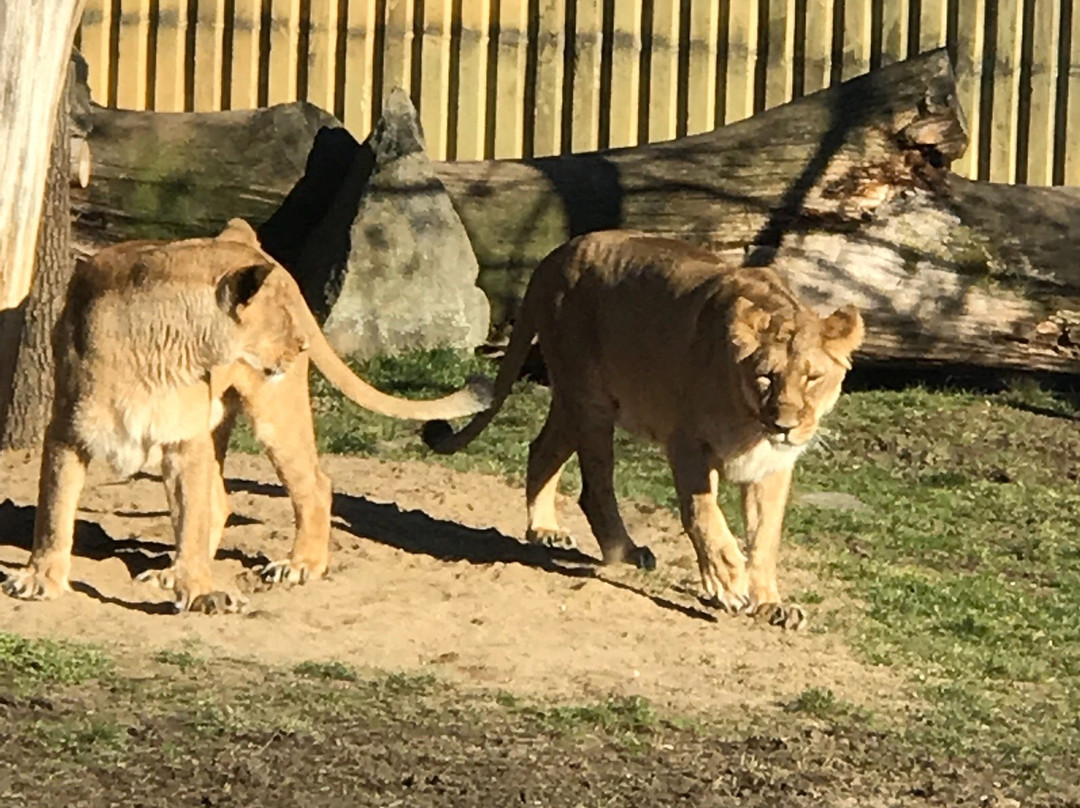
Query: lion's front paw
{"type": "Point", "coordinates": [790, 618]}
{"type": "Point", "coordinates": [33, 584]}
{"type": "Point", "coordinates": [558, 538]}
{"type": "Point", "coordinates": [642, 558]}
{"type": "Point", "coordinates": [289, 572]}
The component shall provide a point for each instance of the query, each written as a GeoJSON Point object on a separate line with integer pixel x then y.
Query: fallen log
{"type": "Point", "coordinates": [846, 191]}
{"type": "Point", "coordinates": [179, 175]}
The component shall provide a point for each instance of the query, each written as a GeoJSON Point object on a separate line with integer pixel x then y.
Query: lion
{"type": "Point", "coordinates": [158, 348]}
{"type": "Point", "coordinates": [718, 363]}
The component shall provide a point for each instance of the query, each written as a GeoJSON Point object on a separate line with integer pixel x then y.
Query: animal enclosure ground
{"type": "Point", "coordinates": [932, 540]}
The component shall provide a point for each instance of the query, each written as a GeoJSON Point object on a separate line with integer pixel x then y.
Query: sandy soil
{"type": "Point", "coordinates": [428, 575]}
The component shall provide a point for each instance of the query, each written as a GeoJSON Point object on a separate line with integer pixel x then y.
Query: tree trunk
{"type": "Point", "coordinates": [35, 45]}
{"type": "Point", "coordinates": [24, 411]}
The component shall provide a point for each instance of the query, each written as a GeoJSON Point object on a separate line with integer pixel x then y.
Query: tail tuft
{"type": "Point", "coordinates": [435, 434]}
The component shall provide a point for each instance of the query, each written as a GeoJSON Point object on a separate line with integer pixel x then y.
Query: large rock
{"type": "Point", "coordinates": [379, 250]}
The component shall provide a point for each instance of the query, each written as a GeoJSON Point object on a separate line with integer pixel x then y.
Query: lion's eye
{"type": "Point", "coordinates": [813, 378]}
{"type": "Point", "coordinates": [763, 383]}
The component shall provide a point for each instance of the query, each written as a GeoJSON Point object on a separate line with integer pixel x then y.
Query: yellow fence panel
{"type": "Point", "coordinates": [512, 78]}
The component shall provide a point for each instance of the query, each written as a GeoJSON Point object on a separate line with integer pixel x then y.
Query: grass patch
{"type": "Point", "coordinates": [25, 662]}
{"type": "Point", "coordinates": [331, 671]}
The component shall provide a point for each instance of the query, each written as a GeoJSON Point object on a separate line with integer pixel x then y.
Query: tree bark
{"type": "Point", "coordinates": [24, 410]}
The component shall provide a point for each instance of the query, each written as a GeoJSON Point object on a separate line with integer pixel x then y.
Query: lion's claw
{"type": "Point", "coordinates": [30, 585]}
{"type": "Point", "coordinates": [789, 618]}
{"type": "Point", "coordinates": [557, 539]}
{"type": "Point", "coordinates": [282, 572]}
{"type": "Point", "coordinates": [728, 602]}
{"type": "Point", "coordinates": [216, 603]}
{"type": "Point", "coordinates": [163, 579]}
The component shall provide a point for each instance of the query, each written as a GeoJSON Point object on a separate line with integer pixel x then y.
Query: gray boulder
{"type": "Point", "coordinates": [378, 249]}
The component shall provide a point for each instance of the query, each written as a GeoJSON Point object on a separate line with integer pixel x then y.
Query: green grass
{"type": "Point", "coordinates": [25, 663]}
{"type": "Point", "coordinates": [966, 557]}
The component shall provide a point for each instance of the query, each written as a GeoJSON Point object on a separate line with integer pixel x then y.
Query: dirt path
{"type": "Point", "coordinates": [426, 576]}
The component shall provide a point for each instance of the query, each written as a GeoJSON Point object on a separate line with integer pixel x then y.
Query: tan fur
{"type": "Point", "coordinates": [158, 348]}
{"type": "Point", "coordinates": [718, 363]}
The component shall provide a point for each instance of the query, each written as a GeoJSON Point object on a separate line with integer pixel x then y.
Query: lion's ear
{"type": "Point", "coordinates": [747, 323]}
{"type": "Point", "coordinates": [239, 230]}
{"type": "Point", "coordinates": [843, 332]}
{"type": "Point", "coordinates": [237, 288]}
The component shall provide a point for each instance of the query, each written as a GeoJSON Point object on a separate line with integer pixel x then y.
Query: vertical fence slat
{"type": "Point", "coordinates": [547, 123]}
{"type": "Point", "coordinates": [342, 66]}
{"type": "Point", "coordinates": [510, 78]}
{"type": "Point", "coordinates": [96, 26]}
{"type": "Point", "coordinates": [169, 56]}
{"type": "Point", "coordinates": [1041, 130]}
{"type": "Point", "coordinates": [209, 55]}
{"type": "Point", "coordinates": [970, 39]}
{"type": "Point", "coordinates": [742, 56]}
{"type": "Point", "coordinates": [701, 73]}
{"type": "Point", "coordinates": [817, 63]}
{"type": "Point", "coordinates": [132, 53]}
{"type": "Point", "coordinates": [359, 67]}
{"type": "Point", "coordinates": [1006, 91]}
{"type": "Point", "coordinates": [284, 50]}
{"type": "Point", "coordinates": [664, 72]}
{"type": "Point", "coordinates": [472, 79]}
{"type": "Point", "coordinates": [397, 46]}
{"type": "Point", "coordinates": [895, 30]}
{"type": "Point", "coordinates": [933, 24]}
{"type": "Point", "coordinates": [322, 54]}
{"type": "Point", "coordinates": [857, 20]}
{"type": "Point", "coordinates": [625, 73]}
{"type": "Point", "coordinates": [244, 81]}
{"type": "Point", "coordinates": [780, 77]}
{"type": "Point", "coordinates": [1072, 155]}
{"type": "Point", "coordinates": [588, 52]}
{"type": "Point", "coordinates": [434, 90]}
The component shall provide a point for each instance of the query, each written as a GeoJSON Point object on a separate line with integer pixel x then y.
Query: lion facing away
{"type": "Point", "coordinates": [158, 348]}
{"type": "Point", "coordinates": [720, 364]}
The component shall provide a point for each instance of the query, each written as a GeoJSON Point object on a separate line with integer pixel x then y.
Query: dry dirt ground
{"type": "Point", "coordinates": [427, 575]}
{"type": "Point", "coordinates": [428, 578]}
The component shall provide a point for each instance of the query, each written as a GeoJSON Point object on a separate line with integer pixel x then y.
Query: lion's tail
{"type": "Point", "coordinates": [439, 435]}
{"type": "Point", "coordinates": [473, 398]}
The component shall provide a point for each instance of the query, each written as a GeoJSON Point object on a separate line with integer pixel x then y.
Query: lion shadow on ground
{"type": "Point", "coordinates": [414, 531]}
{"type": "Point", "coordinates": [94, 543]}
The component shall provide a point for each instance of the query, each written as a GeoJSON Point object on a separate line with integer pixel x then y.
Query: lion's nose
{"type": "Point", "coordinates": [782, 424]}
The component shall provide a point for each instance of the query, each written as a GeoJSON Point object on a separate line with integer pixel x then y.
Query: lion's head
{"type": "Point", "coordinates": [269, 337]}
{"type": "Point", "coordinates": [791, 364]}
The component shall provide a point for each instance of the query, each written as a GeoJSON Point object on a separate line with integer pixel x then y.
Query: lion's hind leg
{"type": "Point", "coordinates": [281, 414]}
{"type": "Point", "coordinates": [596, 452]}
{"type": "Point", "coordinates": [63, 473]}
{"type": "Point", "coordinates": [190, 474]}
{"type": "Point", "coordinates": [548, 454]}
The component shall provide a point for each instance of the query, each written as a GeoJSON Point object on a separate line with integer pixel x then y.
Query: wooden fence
{"type": "Point", "coordinates": [505, 78]}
